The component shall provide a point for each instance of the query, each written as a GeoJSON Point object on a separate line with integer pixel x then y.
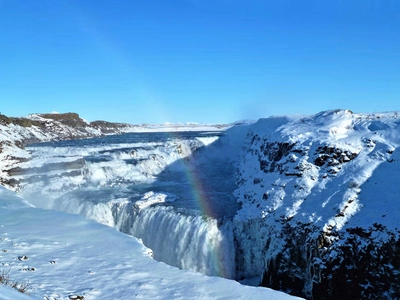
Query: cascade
{"type": "Point", "coordinates": [189, 227]}
{"type": "Point", "coordinates": [185, 240]}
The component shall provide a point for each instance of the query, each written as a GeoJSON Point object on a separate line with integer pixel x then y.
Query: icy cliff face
{"type": "Point", "coordinates": [320, 205]}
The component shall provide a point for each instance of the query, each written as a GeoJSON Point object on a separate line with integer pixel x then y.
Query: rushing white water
{"type": "Point", "coordinates": [156, 188]}
{"type": "Point", "coordinates": [187, 241]}
{"type": "Point", "coordinates": [159, 228]}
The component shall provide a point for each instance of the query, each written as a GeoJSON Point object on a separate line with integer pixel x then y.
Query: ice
{"type": "Point", "coordinates": [151, 198]}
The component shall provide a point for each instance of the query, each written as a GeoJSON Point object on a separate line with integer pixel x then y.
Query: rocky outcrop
{"type": "Point", "coordinates": [359, 264]}
{"type": "Point", "coordinates": [69, 165]}
{"type": "Point", "coordinates": [108, 127]}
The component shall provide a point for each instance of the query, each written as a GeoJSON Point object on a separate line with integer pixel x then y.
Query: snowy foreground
{"type": "Point", "coordinates": [68, 255]}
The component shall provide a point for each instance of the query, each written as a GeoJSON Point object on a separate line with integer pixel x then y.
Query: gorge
{"type": "Point", "coordinates": [307, 205]}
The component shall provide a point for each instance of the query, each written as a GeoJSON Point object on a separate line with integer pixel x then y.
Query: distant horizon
{"type": "Point", "coordinates": [195, 61]}
{"type": "Point", "coordinates": [202, 123]}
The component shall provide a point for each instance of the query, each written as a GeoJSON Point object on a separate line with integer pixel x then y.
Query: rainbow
{"type": "Point", "coordinates": [204, 205]}
{"type": "Point", "coordinates": [139, 91]}
{"type": "Point", "coordinates": [145, 94]}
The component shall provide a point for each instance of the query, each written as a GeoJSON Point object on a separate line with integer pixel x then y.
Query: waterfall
{"type": "Point", "coordinates": [186, 241]}
{"type": "Point", "coordinates": [128, 183]}
{"type": "Point", "coordinates": [190, 242]}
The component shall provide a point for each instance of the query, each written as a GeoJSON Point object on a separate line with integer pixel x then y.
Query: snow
{"type": "Point", "coordinates": [168, 127]}
{"type": "Point", "coordinates": [357, 189]}
{"type": "Point", "coordinates": [68, 255]}
{"type": "Point", "coordinates": [330, 172]}
{"type": "Point", "coordinates": [372, 138]}
{"type": "Point", "coordinates": [207, 140]}
{"type": "Point", "coordinates": [8, 293]}
{"type": "Point", "coordinates": [151, 198]}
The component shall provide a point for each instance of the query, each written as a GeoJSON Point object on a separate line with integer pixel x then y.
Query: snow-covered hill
{"type": "Point", "coordinates": [321, 205]}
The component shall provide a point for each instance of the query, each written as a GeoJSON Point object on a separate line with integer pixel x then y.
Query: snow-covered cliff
{"type": "Point", "coordinates": [320, 205]}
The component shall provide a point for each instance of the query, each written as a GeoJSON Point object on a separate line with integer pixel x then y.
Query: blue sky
{"type": "Point", "coordinates": [201, 61]}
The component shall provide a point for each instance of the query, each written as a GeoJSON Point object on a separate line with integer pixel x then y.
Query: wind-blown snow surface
{"type": "Point", "coordinates": [8, 293]}
{"type": "Point", "coordinates": [67, 255]}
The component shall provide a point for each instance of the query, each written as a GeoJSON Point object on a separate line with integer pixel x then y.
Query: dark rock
{"type": "Point", "coordinates": [76, 164]}
{"type": "Point", "coordinates": [359, 267]}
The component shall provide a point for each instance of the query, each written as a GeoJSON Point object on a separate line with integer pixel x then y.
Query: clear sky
{"type": "Point", "coordinates": [206, 61]}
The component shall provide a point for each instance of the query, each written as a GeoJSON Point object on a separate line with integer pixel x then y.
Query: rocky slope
{"type": "Point", "coordinates": [320, 205]}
